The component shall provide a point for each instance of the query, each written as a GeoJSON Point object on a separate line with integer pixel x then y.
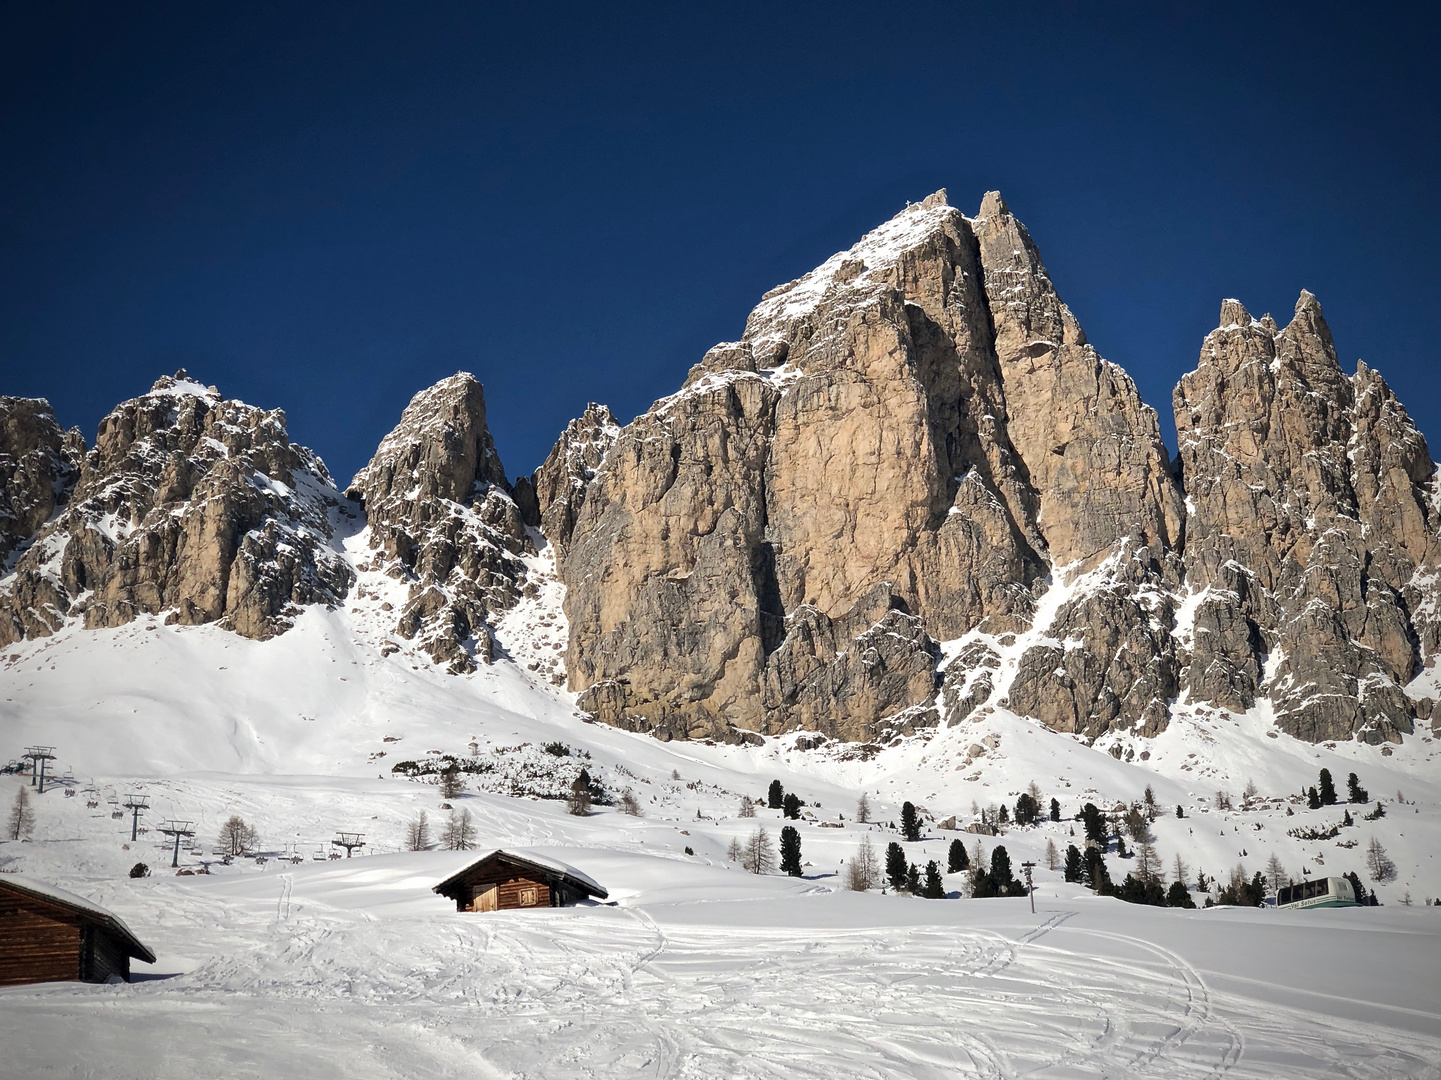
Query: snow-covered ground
{"type": "Point", "coordinates": [354, 968]}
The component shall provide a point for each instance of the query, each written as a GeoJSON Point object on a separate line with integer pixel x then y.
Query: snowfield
{"type": "Point", "coordinates": [306, 966]}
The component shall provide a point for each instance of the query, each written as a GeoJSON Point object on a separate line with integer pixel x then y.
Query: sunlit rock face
{"type": "Point", "coordinates": [189, 505]}
{"type": "Point", "coordinates": [1312, 529]}
{"type": "Point", "coordinates": [442, 518]}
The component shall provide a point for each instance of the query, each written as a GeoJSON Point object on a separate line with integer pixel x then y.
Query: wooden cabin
{"type": "Point", "coordinates": [50, 935]}
{"type": "Point", "coordinates": [500, 881]}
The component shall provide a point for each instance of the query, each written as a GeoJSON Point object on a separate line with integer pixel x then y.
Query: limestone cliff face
{"type": "Point", "coordinates": [188, 504]}
{"type": "Point", "coordinates": [442, 519]}
{"type": "Point", "coordinates": [900, 446]}
{"type": "Point", "coordinates": [39, 462]}
{"type": "Point", "coordinates": [1312, 531]}
{"type": "Point", "coordinates": [561, 483]}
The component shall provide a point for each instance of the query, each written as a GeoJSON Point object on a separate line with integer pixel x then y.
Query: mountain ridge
{"type": "Point", "coordinates": [911, 494]}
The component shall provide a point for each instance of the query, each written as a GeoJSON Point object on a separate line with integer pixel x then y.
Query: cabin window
{"type": "Point", "coordinates": [527, 897]}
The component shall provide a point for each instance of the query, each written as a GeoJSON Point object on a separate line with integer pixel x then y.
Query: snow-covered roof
{"type": "Point", "coordinates": [43, 890]}
{"type": "Point", "coordinates": [539, 862]}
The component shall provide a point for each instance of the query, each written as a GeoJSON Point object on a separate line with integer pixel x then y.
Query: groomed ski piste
{"type": "Point", "coordinates": [306, 966]}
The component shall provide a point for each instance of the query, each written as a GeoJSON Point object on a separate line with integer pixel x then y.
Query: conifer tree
{"type": "Point", "coordinates": [910, 823]}
{"type": "Point", "coordinates": [1378, 862]}
{"type": "Point", "coordinates": [1276, 874]}
{"type": "Point", "coordinates": [1053, 856]}
{"type": "Point", "coordinates": [791, 805]}
{"type": "Point", "coordinates": [1027, 810]}
{"type": "Point", "coordinates": [1095, 824]}
{"type": "Point", "coordinates": [578, 801]}
{"type": "Point", "coordinates": [956, 858]}
{"type": "Point", "coordinates": [733, 853]}
{"type": "Point", "coordinates": [776, 795]}
{"type": "Point", "coordinates": [1327, 789]}
{"type": "Point", "coordinates": [21, 823]}
{"type": "Point", "coordinates": [1003, 815]}
{"type": "Point", "coordinates": [1180, 871]}
{"type": "Point", "coordinates": [1179, 896]}
{"type": "Point", "coordinates": [896, 865]}
{"type": "Point", "coordinates": [913, 880]}
{"type": "Point", "coordinates": [1313, 800]}
{"type": "Point", "coordinates": [933, 888]}
{"type": "Point", "coordinates": [1355, 792]}
{"type": "Point", "coordinates": [862, 872]}
{"type": "Point", "coordinates": [1001, 867]}
{"type": "Point", "coordinates": [863, 809]}
{"type": "Point", "coordinates": [790, 851]}
{"type": "Point", "coordinates": [1347, 819]}
{"type": "Point", "coordinates": [451, 782]}
{"type": "Point", "coordinates": [1055, 810]}
{"type": "Point", "coordinates": [748, 808]}
{"type": "Point", "coordinates": [1073, 863]}
{"type": "Point", "coordinates": [758, 855]}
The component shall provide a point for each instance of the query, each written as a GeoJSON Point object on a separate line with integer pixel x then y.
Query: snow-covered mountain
{"type": "Point", "coordinates": [909, 536]}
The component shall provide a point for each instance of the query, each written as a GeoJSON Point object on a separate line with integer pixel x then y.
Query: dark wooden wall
{"type": "Point", "coordinates": [38, 942]}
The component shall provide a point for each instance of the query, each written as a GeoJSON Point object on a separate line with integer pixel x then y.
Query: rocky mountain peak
{"type": "Point", "coordinates": [1309, 529]}
{"type": "Point", "coordinates": [441, 517]}
{"type": "Point", "coordinates": [191, 505]}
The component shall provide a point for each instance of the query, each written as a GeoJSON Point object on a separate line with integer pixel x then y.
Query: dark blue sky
{"type": "Point", "coordinates": [326, 207]}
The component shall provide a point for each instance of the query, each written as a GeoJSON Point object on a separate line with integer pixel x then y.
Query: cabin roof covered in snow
{"type": "Point", "coordinates": [533, 861]}
{"type": "Point", "coordinates": [42, 890]}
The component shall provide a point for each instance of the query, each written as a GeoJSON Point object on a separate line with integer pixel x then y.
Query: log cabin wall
{"type": "Point", "coordinates": [38, 942]}
{"type": "Point", "coordinates": [515, 888]}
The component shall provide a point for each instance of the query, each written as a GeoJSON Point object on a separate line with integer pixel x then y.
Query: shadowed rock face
{"type": "Point", "coordinates": [1312, 529]}
{"type": "Point", "coordinates": [442, 519]}
{"type": "Point", "coordinates": [904, 438]}
{"type": "Point", "coordinates": [188, 504]}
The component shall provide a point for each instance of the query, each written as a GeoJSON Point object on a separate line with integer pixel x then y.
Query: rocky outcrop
{"type": "Point", "coordinates": [1312, 532]}
{"type": "Point", "coordinates": [560, 484]}
{"type": "Point", "coordinates": [442, 518]}
{"type": "Point", "coordinates": [189, 505]}
{"type": "Point", "coordinates": [39, 462]}
{"type": "Point", "coordinates": [861, 437]}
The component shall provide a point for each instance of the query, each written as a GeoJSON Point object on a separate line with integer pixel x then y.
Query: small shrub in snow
{"type": "Point", "coordinates": [139, 870]}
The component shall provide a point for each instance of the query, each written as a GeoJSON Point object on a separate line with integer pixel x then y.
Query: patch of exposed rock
{"type": "Point", "coordinates": [189, 505]}
{"type": "Point", "coordinates": [560, 484]}
{"type": "Point", "coordinates": [442, 518]}
{"type": "Point", "coordinates": [39, 462]}
{"type": "Point", "coordinates": [917, 430]}
{"type": "Point", "coordinates": [1312, 528]}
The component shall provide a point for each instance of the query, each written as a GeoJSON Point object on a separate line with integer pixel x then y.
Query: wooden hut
{"type": "Point", "coordinates": [500, 880]}
{"type": "Point", "coordinates": [50, 935]}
